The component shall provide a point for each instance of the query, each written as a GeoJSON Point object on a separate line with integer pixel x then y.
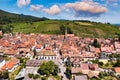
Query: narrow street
{"type": "Point", "coordinates": [61, 64]}
{"type": "Point", "coordinates": [62, 71]}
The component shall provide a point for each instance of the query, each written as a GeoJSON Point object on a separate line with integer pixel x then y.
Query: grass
{"type": "Point", "coordinates": [84, 29]}
{"type": "Point", "coordinates": [57, 77]}
{"type": "Point", "coordinates": [14, 73]}
{"type": "Point", "coordinates": [109, 65]}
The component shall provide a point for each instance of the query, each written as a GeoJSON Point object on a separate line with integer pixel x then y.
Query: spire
{"type": "Point", "coordinates": [65, 31]}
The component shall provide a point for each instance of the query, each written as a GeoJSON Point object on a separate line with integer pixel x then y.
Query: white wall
{"type": "Point", "coordinates": [2, 63]}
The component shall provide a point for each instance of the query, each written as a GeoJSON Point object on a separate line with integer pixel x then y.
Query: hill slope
{"type": "Point", "coordinates": [79, 28]}
{"type": "Point", "coordinates": [29, 24]}
{"type": "Point", "coordinates": [6, 17]}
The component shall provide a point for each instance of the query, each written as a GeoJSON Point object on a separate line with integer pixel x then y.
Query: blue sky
{"type": "Point", "coordinates": [94, 10]}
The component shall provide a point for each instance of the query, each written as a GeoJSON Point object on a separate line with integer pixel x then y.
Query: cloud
{"type": "Point", "coordinates": [35, 7]}
{"type": "Point", "coordinates": [53, 10]}
{"type": "Point", "coordinates": [21, 3]}
{"type": "Point", "coordinates": [86, 9]}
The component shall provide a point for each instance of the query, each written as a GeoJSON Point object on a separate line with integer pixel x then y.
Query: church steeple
{"type": "Point", "coordinates": [65, 32]}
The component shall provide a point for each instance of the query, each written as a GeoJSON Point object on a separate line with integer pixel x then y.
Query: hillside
{"type": "Point", "coordinates": [10, 22]}
{"type": "Point", "coordinates": [79, 28]}
{"type": "Point", "coordinates": [6, 17]}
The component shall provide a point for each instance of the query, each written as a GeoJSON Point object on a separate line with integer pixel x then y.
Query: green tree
{"type": "Point", "coordinates": [68, 73]}
{"type": "Point", "coordinates": [43, 78]}
{"type": "Point", "coordinates": [55, 70]}
{"type": "Point", "coordinates": [96, 43]}
{"type": "Point", "coordinates": [119, 37]}
{"type": "Point", "coordinates": [30, 75]}
{"type": "Point", "coordinates": [69, 30]}
{"type": "Point", "coordinates": [4, 75]}
{"type": "Point", "coordinates": [47, 68]}
{"type": "Point", "coordinates": [36, 76]}
{"type": "Point", "coordinates": [6, 28]}
{"type": "Point", "coordinates": [100, 63]}
{"type": "Point", "coordinates": [101, 75]}
{"type": "Point", "coordinates": [62, 29]}
{"type": "Point", "coordinates": [68, 62]}
{"type": "Point", "coordinates": [35, 52]}
{"type": "Point", "coordinates": [117, 64]}
{"type": "Point", "coordinates": [0, 74]}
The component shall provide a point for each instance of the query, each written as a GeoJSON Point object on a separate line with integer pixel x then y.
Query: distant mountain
{"type": "Point", "coordinates": [117, 25]}
{"type": "Point", "coordinates": [6, 17]}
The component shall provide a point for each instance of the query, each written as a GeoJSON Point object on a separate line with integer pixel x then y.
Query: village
{"type": "Point", "coordinates": [23, 56]}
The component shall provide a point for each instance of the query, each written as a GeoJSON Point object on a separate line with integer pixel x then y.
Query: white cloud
{"type": "Point", "coordinates": [21, 3]}
{"type": "Point", "coordinates": [86, 6]}
{"type": "Point", "coordinates": [87, 9]}
{"type": "Point", "coordinates": [35, 7]}
{"type": "Point", "coordinates": [53, 10]}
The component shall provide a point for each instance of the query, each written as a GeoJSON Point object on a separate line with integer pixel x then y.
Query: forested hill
{"type": "Point", "coordinates": [6, 17]}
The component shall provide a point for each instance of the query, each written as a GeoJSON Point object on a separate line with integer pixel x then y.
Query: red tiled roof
{"type": "Point", "coordinates": [84, 66]}
{"type": "Point", "coordinates": [10, 64]}
{"type": "Point", "coordinates": [117, 69]}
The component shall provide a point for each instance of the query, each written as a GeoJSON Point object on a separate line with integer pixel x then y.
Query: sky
{"type": "Point", "coordinates": [94, 10]}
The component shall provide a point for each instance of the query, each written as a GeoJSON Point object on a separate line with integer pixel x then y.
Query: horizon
{"type": "Point", "coordinates": [92, 10]}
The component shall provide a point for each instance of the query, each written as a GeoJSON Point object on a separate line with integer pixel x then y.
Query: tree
{"type": "Point", "coordinates": [6, 28]}
{"type": "Point", "coordinates": [35, 76]}
{"type": "Point", "coordinates": [69, 30]}
{"type": "Point", "coordinates": [68, 73]}
{"type": "Point", "coordinates": [47, 68]}
{"type": "Point", "coordinates": [68, 62]}
{"type": "Point", "coordinates": [30, 75]}
{"type": "Point", "coordinates": [101, 75]}
{"type": "Point", "coordinates": [0, 74]}
{"type": "Point", "coordinates": [96, 43]}
{"type": "Point", "coordinates": [62, 29]}
{"type": "Point", "coordinates": [43, 78]}
{"type": "Point", "coordinates": [55, 70]}
{"type": "Point", "coordinates": [94, 78]}
{"type": "Point", "coordinates": [35, 52]}
{"type": "Point", "coordinates": [21, 60]}
{"type": "Point", "coordinates": [4, 75]}
{"type": "Point", "coordinates": [117, 64]}
{"type": "Point", "coordinates": [119, 37]}
{"type": "Point", "coordinates": [100, 63]}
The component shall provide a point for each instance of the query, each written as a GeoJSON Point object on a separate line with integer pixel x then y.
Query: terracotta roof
{"type": "Point", "coordinates": [93, 67]}
{"type": "Point", "coordinates": [47, 52]}
{"type": "Point", "coordinates": [38, 46]}
{"type": "Point", "coordinates": [10, 64]}
{"type": "Point", "coordinates": [84, 66]}
{"type": "Point", "coordinates": [81, 77]}
{"type": "Point", "coordinates": [33, 63]}
{"type": "Point", "coordinates": [5, 43]}
{"type": "Point", "coordinates": [75, 70]}
{"type": "Point", "coordinates": [10, 51]}
{"type": "Point", "coordinates": [117, 69]}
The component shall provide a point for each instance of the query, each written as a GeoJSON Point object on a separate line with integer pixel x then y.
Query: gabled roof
{"type": "Point", "coordinates": [117, 69]}
{"type": "Point", "coordinates": [81, 77]}
{"type": "Point", "coordinates": [33, 63]}
{"type": "Point", "coordinates": [10, 64]}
